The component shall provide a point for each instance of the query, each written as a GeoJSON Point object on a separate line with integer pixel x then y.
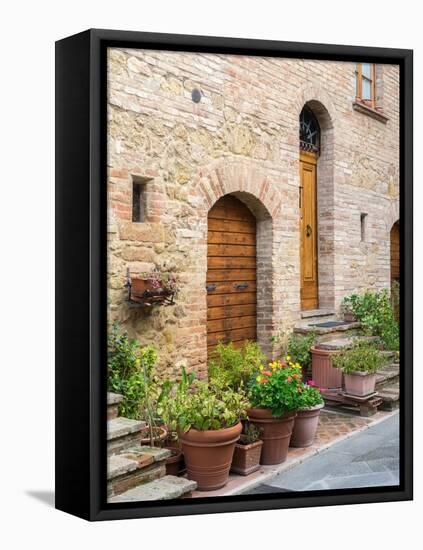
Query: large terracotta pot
{"type": "Point", "coordinates": [360, 383]}
{"type": "Point", "coordinates": [208, 455]}
{"type": "Point", "coordinates": [305, 426]}
{"type": "Point", "coordinates": [275, 433]}
{"type": "Point", "coordinates": [324, 375]}
{"type": "Point", "coordinates": [175, 465]}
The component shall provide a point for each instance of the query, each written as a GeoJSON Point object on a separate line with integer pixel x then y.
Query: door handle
{"type": "Point", "coordinates": [309, 230]}
{"type": "Point", "coordinates": [241, 286]}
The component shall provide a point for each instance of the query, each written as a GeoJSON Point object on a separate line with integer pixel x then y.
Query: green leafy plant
{"type": "Point", "coordinates": [201, 406]}
{"type": "Point", "coordinates": [233, 367]}
{"type": "Point", "coordinates": [250, 434]}
{"type": "Point", "coordinates": [308, 396]}
{"type": "Point", "coordinates": [276, 387]}
{"type": "Point", "coordinates": [298, 348]}
{"type": "Point", "coordinates": [130, 373]}
{"type": "Point", "coordinates": [375, 313]}
{"type": "Point", "coordinates": [361, 357]}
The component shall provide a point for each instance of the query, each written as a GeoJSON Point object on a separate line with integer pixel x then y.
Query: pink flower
{"type": "Point", "coordinates": [311, 383]}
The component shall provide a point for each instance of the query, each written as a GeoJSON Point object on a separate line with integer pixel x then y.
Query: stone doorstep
{"type": "Point", "coordinates": [238, 485]}
{"type": "Point", "coordinates": [134, 458]}
{"type": "Point", "coordinates": [390, 396]}
{"type": "Point", "coordinates": [317, 314]}
{"type": "Point", "coordinates": [165, 488]}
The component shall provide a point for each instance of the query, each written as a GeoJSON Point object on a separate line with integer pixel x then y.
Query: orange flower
{"type": "Point", "coordinates": [263, 381]}
{"type": "Point", "coordinates": [289, 378]}
{"type": "Point", "coordinates": [267, 373]}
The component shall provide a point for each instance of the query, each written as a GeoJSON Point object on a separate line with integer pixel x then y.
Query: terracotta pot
{"type": "Point", "coordinates": [175, 464]}
{"type": "Point", "coordinates": [360, 383]}
{"type": "Point", "coordinates": [143, 290]}
{"type": "Point", "coordinates": [208, 455]}
{"type": "Point", "coordinates": [305, 426]}
{"type": "Point", "coordinates": [323, 374]}
{"type": "Point", "coordinates": [275, 433]}
{"type": "Point", "coordinates": [246, 458]}
{"type": "Point", "coordinates": [159, 437]}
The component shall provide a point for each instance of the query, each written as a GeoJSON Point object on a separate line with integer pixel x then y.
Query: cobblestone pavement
{"type": "Point", "coordinates": [368, 459]}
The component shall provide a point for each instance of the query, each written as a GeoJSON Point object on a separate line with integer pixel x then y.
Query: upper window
{"type": "Point", "coordinates": [309, 131]}
{"type": "Point", "coordinates": [366, 84]}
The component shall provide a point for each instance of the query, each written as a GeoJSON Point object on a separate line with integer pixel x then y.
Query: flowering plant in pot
{"type": "Point", "coordinates": [246, 459]}
{"type": "Point", "coordinates": [208, 423]}
{"type": "Point", "coordinates": [273, 394]}
{"type": "Point", "coordinates": [152, 288]}
{"type": "Point", "coordinates": [359, 365]}
{"type": "Point", "coordinates": [310, 403]}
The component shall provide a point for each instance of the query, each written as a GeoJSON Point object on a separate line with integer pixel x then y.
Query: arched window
{"type": "Point", "coordinates": [309, 131]}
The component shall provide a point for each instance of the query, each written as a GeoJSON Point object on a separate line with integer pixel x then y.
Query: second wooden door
{"type": "Point", "coordinates": [231, 273]}
{"type": "Point", "coordinates": [308, 229]}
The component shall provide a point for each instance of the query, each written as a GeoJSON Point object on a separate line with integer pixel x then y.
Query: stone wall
{"type": "Point", "coordinates": [242, 138]}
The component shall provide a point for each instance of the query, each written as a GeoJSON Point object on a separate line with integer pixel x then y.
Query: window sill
{"type": "Point", "coordinates": [369, 111]}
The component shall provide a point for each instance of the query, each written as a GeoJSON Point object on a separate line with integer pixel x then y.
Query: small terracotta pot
{"type": "Point", "coordinates": [208, 455]}
{"type": "Point", "coordinates": [323, 374]}
{"type": "Point", "coordinates": [175, 464]}
{"type": "Point", "coordinates": [305, 426]}
{"type": "Point", "coordinates": [159, 437]}
{"type": "Point", "coordinates": [246, 458]}
{"type": "Point", "coordinates": [275, 433]}
{"type": "Point", "coordinates": [360, 383]}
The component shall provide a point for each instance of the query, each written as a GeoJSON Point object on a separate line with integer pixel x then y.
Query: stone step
{"type": "Point", "coordinates": [123, 433]}
{"type": "Point", "coordinates": [113, 400]}
{"type": "Point", "coordinates": [168, 487]}
{"type": "Point", "coordinates": [134, 466]}
{"type": "Point", "coordinates": [341, 328]}
{"type": "Point", "coordinates": [387, 375]}
{"type": "Point", "coordinates": [336, 341]}
{"type": "Point", "coordinates": [390, 395]}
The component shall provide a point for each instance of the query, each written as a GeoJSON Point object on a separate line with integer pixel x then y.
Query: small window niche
{"type": "Point", "coordinates": [139, 199]}
{"type": "Point", "coordinates": [363, 226]}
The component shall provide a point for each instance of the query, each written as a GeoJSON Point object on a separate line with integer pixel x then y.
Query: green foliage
{"type": "Point", "coordinates": [308, 397]}
{"type": "Point", "coordinates": [250, 433]}
{"type": "Point", "coordinates": [129, 372]}
{"type": "Point", "coordinates": [233, 367]}
{"type": "Point", "coordinates": [201, 406]}
{"type": "Point", "coordinates": [362, 357]}
{"type": "Point", "coordinates": [276, 388]}
{"type": "Point", "coordinates": [374, 311]}
{"type": "Point", "coordinates": [298, 348]}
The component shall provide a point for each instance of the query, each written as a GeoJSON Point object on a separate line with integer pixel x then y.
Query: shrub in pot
{"type": "Point", "coordinates": [310, 403]}
{"type": "Point", "coordinates": [273, 394]}
{"type": "Point", "coordinates": [246, 459]}
{"type": "Point", "coordinates": [359, 365]}
{"type": "Point", "coordinates": [208, 421]}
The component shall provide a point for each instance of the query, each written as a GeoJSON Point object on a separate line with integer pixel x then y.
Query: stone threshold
{"type": "Point", "coordinates": [237, 485]}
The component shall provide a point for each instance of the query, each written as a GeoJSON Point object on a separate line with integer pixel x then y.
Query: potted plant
{"type": "Point", "coordinates": [347, 308]}
{"type": "Point", "coordinates": [208, 419]}
{"type": "Point", "coordinates": [246, 459]}
{"type": "Point", "coordinates": [309, 404]}
{"type": "Point", "coordinates": [359, 365]}
{"type": "Point", "coordinates": [273, 395]}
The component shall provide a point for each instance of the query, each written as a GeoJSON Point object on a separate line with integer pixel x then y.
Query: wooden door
{"type": "Point", "coordinates": [308, 228]}
{"type": "Point", "coordinates": [231, 273]}
{"type": "Point", "coordinates": [395, 253]}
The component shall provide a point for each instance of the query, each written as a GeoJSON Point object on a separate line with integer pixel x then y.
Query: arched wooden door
{"type": "Point", "coordinates": [231, 273]}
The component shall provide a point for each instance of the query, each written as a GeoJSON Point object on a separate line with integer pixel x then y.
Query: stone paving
{"type": "Point", "coordinates": [333, 427]}
{"type": "Point", "coordinates": [368, 459]}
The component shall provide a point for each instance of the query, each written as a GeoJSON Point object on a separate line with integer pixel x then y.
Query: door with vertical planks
{"type": "Point", "coordinates": [308, 231]}
{"type": "Point", "coordinates": [231, 273]}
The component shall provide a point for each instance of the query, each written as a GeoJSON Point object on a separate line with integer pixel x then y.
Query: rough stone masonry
{"type": "Point", "coordinates": [242, 138]}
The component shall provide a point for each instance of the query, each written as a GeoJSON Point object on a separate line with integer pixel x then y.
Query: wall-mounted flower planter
{"type": "Point", "coordinates": [145, 292]}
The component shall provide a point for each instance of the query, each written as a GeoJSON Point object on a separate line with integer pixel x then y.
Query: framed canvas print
{"type": "Point", "coordinates": [234, 274]}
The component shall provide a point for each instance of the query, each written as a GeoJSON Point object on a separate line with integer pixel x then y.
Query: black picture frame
{"type": "Point", "coordinates": [81, 328]}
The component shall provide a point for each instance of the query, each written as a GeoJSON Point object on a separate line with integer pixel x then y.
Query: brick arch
{"type": "Point", "coordinates": [241, 178]}
{"type": "Point", "coordinates": [319, 101]}
{"type": "Point", "coordinates": [392, 215]}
